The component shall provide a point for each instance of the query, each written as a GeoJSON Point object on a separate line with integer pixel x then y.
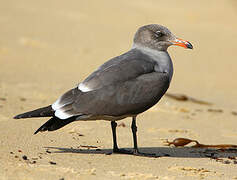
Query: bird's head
{"type": "Point", "coordinates": [158, 37]}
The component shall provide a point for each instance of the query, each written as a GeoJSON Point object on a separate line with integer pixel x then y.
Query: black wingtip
{"type": "Point", "coordinates": [17, 116]}
{"type": "Point", "coordinates": [41, 129]}
{"type": "Point", "coordinates": [54, 123]}
{"type": "Point", "coordinates": [41, 112]}
{"type": "Point", "coordinates": [36, 131]}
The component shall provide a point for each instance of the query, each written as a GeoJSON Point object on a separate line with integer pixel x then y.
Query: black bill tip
{"type": "Point", "coordinates": [189, 45]}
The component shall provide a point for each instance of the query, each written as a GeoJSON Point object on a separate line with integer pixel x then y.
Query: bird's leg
{"type": "Point", "coordinates": [115, 146]}
{"type": "Point", "coordinates": [124, 151]}
{"type": "Point", "coordinates": [113, 126]}
{"type": "Point", "coordinates": [134, 132]}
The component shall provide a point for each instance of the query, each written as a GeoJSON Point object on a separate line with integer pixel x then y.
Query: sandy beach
{"type": "Point", "coordinates": [48, 47]}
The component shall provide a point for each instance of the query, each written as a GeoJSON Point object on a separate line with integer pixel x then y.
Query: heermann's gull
{"type": "Point", "coordinates": [124, 86]}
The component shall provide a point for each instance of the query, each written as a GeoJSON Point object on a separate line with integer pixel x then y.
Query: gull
{"type": "Point", "coordinates": [125, 86]}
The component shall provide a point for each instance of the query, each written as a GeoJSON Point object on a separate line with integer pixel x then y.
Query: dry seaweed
{"type": "Point", "coordinates": [183, 97]}
{"type": "Point", "coordinates": [215, 110]}
{"type": "Point", "coordinates": [3, 99]}
{"type": "Point", "coordinates": [234, 113]}
{"type": "Point", "coordinates": [181, 142]}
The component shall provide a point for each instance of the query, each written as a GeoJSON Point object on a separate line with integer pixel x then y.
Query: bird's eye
{"type": "Point", "coordinates": [158, 34]}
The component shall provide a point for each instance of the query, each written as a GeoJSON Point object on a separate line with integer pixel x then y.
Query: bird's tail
{"type": "Point", "coordinates": [54, 123]}
{"type": "Point", "coordinates": [41, 112]}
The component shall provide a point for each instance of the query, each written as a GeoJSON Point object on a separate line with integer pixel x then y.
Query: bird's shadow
{"type": "Point", "coordinates": [180, 152]}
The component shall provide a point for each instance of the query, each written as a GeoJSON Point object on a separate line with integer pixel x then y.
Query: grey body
{"type": "Point", "coordinates": [123, 86]}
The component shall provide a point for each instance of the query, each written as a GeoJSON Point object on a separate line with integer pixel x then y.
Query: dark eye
{"type": "Point", "coordinates": [159, 34]}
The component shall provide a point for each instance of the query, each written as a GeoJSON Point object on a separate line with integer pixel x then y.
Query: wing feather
{"type": "Point", "coordinates": [127, 84]}
{"type": "Point", "coordinates": [125, 98]}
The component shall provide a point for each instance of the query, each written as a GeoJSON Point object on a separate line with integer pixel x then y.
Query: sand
{"type": "Point", "coordinates": [47, 47]}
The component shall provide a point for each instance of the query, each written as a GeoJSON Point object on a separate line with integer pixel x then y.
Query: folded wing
{"type": "Point", "coordinates": [122, 86]}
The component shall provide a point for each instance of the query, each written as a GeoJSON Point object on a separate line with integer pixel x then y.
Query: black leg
{"type": "Point", "coordinates": [124, 151]}
{"type": "Point", "coordinates": [115, 146]}
{"type": "Point", "coordinates": [113, 126]}
{"type": "Point", "coordinates": [135, 149]}
{"type": "Point", "coordinates": [134, 133]}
